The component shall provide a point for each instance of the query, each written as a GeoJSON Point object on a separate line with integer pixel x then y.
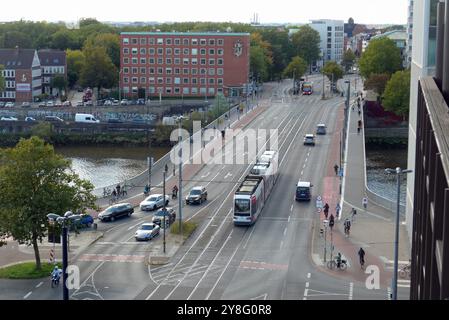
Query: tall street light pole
{"type": "Point", "coordinates": [399, 172]}
{"type": "Point", "coordinates": [180, 175]}
{"type": "Point", "coordinates": [163, 223]}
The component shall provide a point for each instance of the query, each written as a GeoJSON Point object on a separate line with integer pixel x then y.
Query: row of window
{"type": "Point", "coordinates": [8, 94]}
{"type": "Point", "coordinates": [9, 73]}
{"type": "Point", "coordinates": [185, 61]}
{"type": "Point", "coordinates": [175, 51]}
{"type": "Point", "coordinates": [186, 71]}
{"type": "Point", "coordinates": [171, 41]}
{"type": "Point", "coordinates": [57, 70]}
{"type": "Point", "coordinates": [176, 90]}
{"type": "Point", "coordinates": [10, 84]}
{"type": "Point", "coordinates": [169, 80]}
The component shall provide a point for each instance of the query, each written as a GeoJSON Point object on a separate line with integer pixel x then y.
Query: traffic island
{"type": "Point", "coordinates": [26, 270]}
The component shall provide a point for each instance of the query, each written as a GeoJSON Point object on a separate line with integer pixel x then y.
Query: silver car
{"type": "Point", "coordinates": [154, 201]}
{"type": "Point", "coordinates": [147, 231]}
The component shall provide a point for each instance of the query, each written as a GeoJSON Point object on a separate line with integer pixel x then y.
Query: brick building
{"type": "Point", "coordinates": [22, 73]}
{"type": "Point", "coordinates": [183, 64]}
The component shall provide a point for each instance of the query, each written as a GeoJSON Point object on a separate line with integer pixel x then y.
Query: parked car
{"type": "Point", "coordinates": [2, 104]}
{"type": "Point", "coordinates": [321, 128]}
{"type": "Point", "coordinates": [29, 119]}
{"type": "Point", "coordinates": [139, 121]}
{"type": "Point", "coordinates": [107, 103]}
{"type": "Point", "coordinates": [124, 102]}
{"type": "Point", "coordinates": [197, 195]}
{"type": "Point", "coordinates": [58, 104]}
{"type": "Point", "coordinates": [115, 102]}
{"type": "Point", "coordinates": [147, 231]}
{"type": "Point", "coordinates": [9, 105]}
{"type": "Point", "coordinates": [309, 139]}
{"type": "Point", "coordinates": [50, 104]}
{"type": "Point", "coordinates": [85, 118]}
{"type": "Point", "coordinates": [141, 102]}
{"type": "Point", "coordinates": [67, 103]}
{"type": "Point", "coordinates": [8, 118]}
{"type": "Point", "coordinates": [116, 211]}
{"type": "Point", "coordinates": [114, 120]}
{"type": "Point", "coordinates": [154, 201]}
{"type": "Point", "coordinates": [170, 216]}
{"type": "Point", "coordinates": [85, 221]}
{"type": "Point", "coordinates": [88, 103]}
{"type": "Point", "coordinates": [26, 105]}
{"type": "Point", "coordinates": [41, 104]}
{"type": "Point", "coordinates": [53, 119]}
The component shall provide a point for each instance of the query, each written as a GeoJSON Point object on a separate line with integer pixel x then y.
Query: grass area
{"type": "Point", "coordinates": [187, 228]}
{"type": "Point", "coordinates": [26, 270]}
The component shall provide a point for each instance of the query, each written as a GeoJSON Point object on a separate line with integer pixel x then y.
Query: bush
{"type": "Point", "coordinates": [187, 228]}
{"type": "Point", "coordinates": [27, 270]}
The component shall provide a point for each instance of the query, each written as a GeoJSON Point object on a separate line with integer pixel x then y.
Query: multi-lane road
{"type": "Point", "coordinates": [270, 260]}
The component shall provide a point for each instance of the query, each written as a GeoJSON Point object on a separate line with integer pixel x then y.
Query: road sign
{"type": "Point", "coordinates": [340, 172]}
{"type": "Point", "coordinates": [319, 202]}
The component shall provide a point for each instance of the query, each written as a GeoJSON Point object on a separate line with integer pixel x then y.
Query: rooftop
{"type": "Point", "coordinates": [229, 34]}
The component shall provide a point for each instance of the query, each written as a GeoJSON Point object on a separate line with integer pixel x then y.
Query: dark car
{"type": "Point", "coordinates": [116, 211]}
{"type": "Point", "coordinates": [197, 195]}
{"type": "Point", "coordinates": [170, 216]}
{"type": "Point", "coordinates": [53, 119]}
{"type": "Point", "coordinates": [114, 120]}
{"type": "Point", "coordinates": [321, 128]}
{"type": "Point", "coordinates": [141, 102]}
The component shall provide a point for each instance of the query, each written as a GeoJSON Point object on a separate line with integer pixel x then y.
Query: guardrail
{"type": "Point", "coordinates": [140, 180]}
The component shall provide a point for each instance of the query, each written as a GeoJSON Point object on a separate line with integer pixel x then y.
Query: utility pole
{"type": "Point", "coordinates": [322, 94]}
{"type": "Point", "coordinates": [150, 165]}
{"type": "Point", "coordinates": [398, 171]}
{"type": "Point", "coordinates": [325, 222]}
{"type": "Point", "coordinates": [163, 223]}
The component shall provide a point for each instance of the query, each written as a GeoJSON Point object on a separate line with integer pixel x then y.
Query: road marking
{"type": "Point", "coordinates": [351, 290]}
{"type": "Point", "coordinates": [304, 166]}
{"type": "Point", "coordinates": [263, 296]}
{"type": "Point", "coordinates": [302, 172]}
{"type": "Point", "coordinates": [39, 285]}
{"type": "Point", "coordinates": [210, 265]}
{"type": "Point", "coordinates": [291, 209]}
{"type": "Point", "coordinates": [132, 227]}
{"type": "Point", "coordinates": [205, 175]}
{"type": "Point", "coordinates": [228, 175]}
{"type": "Point", "coordinates": [388, 293]}
{"type": "Point", "coordinates": [28, 294]}
{"type": "Point", "coordinates": [285, 231]}
{"type": "Point", "coordinates": [307, 158]}
{"type": "Point", "coordinates": [306, 291]}
{"type": "Point", "coordinates": [288, 220]}
{"type": "Point", "coordinates": [308, 275]}
{"type": "Point", "coordinates": [246, 242]}
{"type": "Point", "coordinates": [307, 284]}
{"type": "Point", "coordinates": [282, 242]}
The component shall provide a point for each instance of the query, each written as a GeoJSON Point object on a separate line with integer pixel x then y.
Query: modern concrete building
{"type": "Point", "coordinates": [183, 64]}
{"type": "Point", "coordinates": [409, 33]}
{"type": "Point", "coordinates": [427, 212]}
{"type": "Point", "coordinates": [332, 39]}
{"type": "Point", "coordinates": [22, 73]}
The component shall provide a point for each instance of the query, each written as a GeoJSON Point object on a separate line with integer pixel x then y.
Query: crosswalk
{"type": "Point", "coordinates": [166, 275]}
{"type": "Point", "coordinates": [112, 258]}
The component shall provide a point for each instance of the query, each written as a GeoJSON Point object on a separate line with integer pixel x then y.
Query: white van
{"type": "Point", "coordinates": [86, 118]}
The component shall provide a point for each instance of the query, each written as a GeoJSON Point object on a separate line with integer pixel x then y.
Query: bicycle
{"type": "Point", "coordinates": [405, 271]}
{"type": "Point", "coordinates": [362, 262]}
{"type": "Point", "coordinates": [106, 192]}
{"type": "Point", "coordinates": [334, 264]}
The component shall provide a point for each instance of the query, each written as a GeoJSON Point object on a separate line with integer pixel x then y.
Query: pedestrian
{"type": "Point", "coordinates": [365, 202]}
{"type": "Point", "coordinates": [352, 108]}
{"type": "Point", "coordinates": [114, 194]}
{"type": "Point", "coordinates": [337, 210]}
{"type": "Point", "coordinates": [361, 254]}
{"type": "Point", "coordinates": [326, 210]}
{"type": "Point", "coordinates": [331, 221]}
{"type": "Point", "coordinates": [336, 169]}
{"type": "Point", "coordinates": [347, 225]}
{"type": "Point", "coordinates": [353, 214]}
{"type": "Point", "coordinates": [118, 189]}
{"type": "Point", "coordinates": [359, 112]}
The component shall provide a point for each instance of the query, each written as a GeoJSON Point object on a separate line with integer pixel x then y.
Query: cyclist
{"type": "Point", "coordinates": [362, 257]}
{"type": "Point", "coordinates": [338, 260]}
{"type": "Point", "coordinates": [347, 225]}
{"type": "Point", "coordinates": [336, 169]}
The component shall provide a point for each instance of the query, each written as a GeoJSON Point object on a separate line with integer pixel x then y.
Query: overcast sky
{"type": "Point", "coordinates": [295, 11]}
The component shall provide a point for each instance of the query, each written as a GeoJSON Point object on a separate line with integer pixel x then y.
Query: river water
{"type": "Point", "coordinates": [380, 182]}
{"type": "Point", "coordinates": [104, 165]}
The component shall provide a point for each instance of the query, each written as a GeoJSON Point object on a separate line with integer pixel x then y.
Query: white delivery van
{"type": "Point", "coordinates": [168, 121]}
{"type": "Point", "coordinates": [86, 118]}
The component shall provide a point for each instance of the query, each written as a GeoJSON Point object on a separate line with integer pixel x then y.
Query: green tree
{"type": "Point", "coordinates": [381, 56]}
{"type": "Point", "coordinates": [333, 71]}
{"type": "Point", "coordinates": [59, 82]}
{"type": "Point", "coordinates": [348, 59]}
{"type": "Point", "coordinates": [296, 68]}
{"type": "Point", "coordinates": [306, 43]}
{"type": "Point", "coordinates": [35, 181]}
{"type": "Point", "coordinates": [75, 63]}
{"type": "Point", "coordinates": [98, 70]}
{"type": "Point", "coordinates": [64, 39]}
{"type": "Point", "coordinates": [2, 79]}
{"type": "Point", "coordinates": [43, 130]}
{"type": "Point", "coordinates": [258, 64]}
{"type": "Point", "coordinates": [109, 41]}
{"type": "Point", "coordinates": [396, 97]}
{"type": "Point", "coordinates": [377, 83]}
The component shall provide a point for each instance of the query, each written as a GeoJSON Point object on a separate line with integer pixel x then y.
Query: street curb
{"type": "Point", "coordinates": [15, 263]}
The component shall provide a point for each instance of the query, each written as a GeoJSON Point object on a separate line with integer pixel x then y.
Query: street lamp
{"type": "Point", "coordinates": [180, 174]}
{"type": "Point", "coordinates": [164, 209]}
{"type": "Point", "coordinates": [399, 172]}
{"type": "Point", "coordinates": [62, 220]}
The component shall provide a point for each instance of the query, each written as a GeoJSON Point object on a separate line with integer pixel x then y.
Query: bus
{"type": "Point", "coordinates": [253, 192]}
{"type": "Point", "coordinates": [307, 88]}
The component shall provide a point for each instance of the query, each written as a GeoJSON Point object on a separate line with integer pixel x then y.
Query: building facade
{"type": "Point", "coordinates": [332, 39]}
{"type": "Point", "coordinates": [53, 63]}
{"type": "Point", "coordinates": [409, 33]}
{"type": "Point", "coordinates": [183, 64]}
{"type": "Point", "coordinates": [22, 73]}
{"type": "Point", "coordinates": [427, 212]}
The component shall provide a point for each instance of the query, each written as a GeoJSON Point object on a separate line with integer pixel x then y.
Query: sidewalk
{"type": "Point", "coordinates": [372, 229]}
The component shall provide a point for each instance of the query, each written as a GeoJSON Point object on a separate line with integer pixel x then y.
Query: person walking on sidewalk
{"type": "Point", "coordinates": [353, 213]}
{"type": "Point", "coordinates": [336, 169]}
{"type": "Point", "coordinates": [337, 210]}
{"type": "Point", "coordinates": [361, 254]}
{"type": "Point", "coordinates": [347, 226]}
{"type": "Point", "coordinates": [365, 202]}
{"type": "Point", "coordinates": [326, 210]}
{"type": "Point", "coordinates": [359, 126]}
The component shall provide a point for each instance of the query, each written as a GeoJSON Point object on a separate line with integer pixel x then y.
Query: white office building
{"type": "Point", "coordinates": [332, 39]}
{"type": "Point", "coordinates": [409, 33]}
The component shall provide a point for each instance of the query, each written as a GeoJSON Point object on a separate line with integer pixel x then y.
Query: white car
{"type": "Point", "coordinates": [147, 231]}
{"type": "Point", "coordinates": [154, 201]}
{"type": "Point", "coordinates": [108, 103]}
{"type": "Point", "coordinates": [8, 118]}
{"type": "Point", "coordinates": [124, 102]}
{"type": "Point", "coordinates": [50, 104]}
{"type": "Point", "coordinates": [9, 105]}
{"type": "Point", "coordinates": [30, 119]}
{"type": "Point", "coordinates": [115, 103]}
